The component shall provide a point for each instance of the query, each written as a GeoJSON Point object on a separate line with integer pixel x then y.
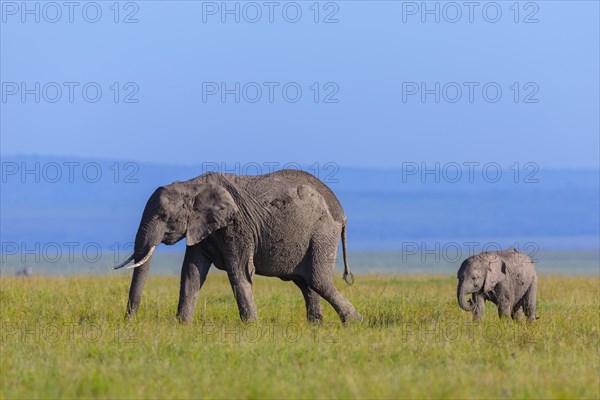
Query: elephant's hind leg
{"type": "Point", "coordinates": [321, 281]}
{"type": "Point", "coordinates": [312, 299]}
{"type": "Point", "coordinates": [340, 304]}
{"type": "Point", "coordinates": [320, 266]}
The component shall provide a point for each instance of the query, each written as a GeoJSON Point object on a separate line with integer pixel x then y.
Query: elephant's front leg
{"type": "Point", "coordinates": [193, 275]}
{"type": "Point", "coordinates": [242, 289]}
{"type": "Point", "coordinates": [239, 265]}
{"type": "Point", "coordinates": [505, 301]}
{"type": "Point", "coordinates": [479, 306]}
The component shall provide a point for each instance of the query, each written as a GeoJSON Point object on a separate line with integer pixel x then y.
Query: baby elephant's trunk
{"type": "Point", "coordinates": [462, 300]}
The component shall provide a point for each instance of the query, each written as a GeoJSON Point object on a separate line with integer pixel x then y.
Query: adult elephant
{"type": "Point", "coordinates": [286, 224]}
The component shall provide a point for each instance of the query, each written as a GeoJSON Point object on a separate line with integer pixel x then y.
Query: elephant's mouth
{"type": "Point", "coordinates": [170, 239]}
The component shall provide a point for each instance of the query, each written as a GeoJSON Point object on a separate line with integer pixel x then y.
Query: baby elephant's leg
{"type": "Point", "coordinates": [530, 299]}
{"type": "Point", "coordinates": [517, 312]}
{"type": "Point", "coordinates": [479, 306]}
{"type": "Point", "coordinates": [505, 303]}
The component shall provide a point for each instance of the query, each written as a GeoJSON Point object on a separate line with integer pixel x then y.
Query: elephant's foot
{"type": "Point", "coordinates": [130, 314]}
{"type": "Point", "coordinates": [248, 313]}
{"type": "Point", "coordinates": [185, 312]}
{"type": "Point", "coordinates": [353, 317]}
{"type": "Point", "coordinates": [531, 319]}
{"type": "Point", "coordinates": [184, 319]}
{"type": "Point", "coordinates": [249, 318]}
{"type": "Point", "coordinates": [517, 315]}
{"type": "Point", "coordinates": [314, 318]}
{"type": "Point", "coordinates": [506, 317]}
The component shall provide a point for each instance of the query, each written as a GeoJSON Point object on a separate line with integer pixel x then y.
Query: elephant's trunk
{"type": "Point", "coordinates": [462, 299]}
{"type": "Point", "coordinates": [145, 242]}
{"type": "Point", "coordinates": [137, 286]}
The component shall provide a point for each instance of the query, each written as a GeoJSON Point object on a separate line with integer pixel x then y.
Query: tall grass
{"type": "Point", "coordinates": [66, 337]}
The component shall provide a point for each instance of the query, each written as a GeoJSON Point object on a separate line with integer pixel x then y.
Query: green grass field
{"type": "Point", "coordinates": [66, 337]}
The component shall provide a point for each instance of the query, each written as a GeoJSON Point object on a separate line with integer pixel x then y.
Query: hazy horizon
{"type": "Point", "coordinates": [395, 215]}
{"type": "Point", "coordinates": [268, 162]}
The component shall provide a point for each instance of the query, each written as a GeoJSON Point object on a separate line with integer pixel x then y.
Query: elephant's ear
{"type": "Point", "coordinates": [496, 273]}
{"type": "Point", "coordinates": [213, 209]}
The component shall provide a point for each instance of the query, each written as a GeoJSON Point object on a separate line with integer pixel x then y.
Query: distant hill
{"type": "Point", "coordinates": [59, 199]}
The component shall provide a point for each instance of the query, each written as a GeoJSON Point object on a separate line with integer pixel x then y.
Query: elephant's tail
{"type": "Point", "coordinates": [348, 276]}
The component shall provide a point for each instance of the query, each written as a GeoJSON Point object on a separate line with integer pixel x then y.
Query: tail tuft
{"type": "Point", "coordinates": [349, 278]}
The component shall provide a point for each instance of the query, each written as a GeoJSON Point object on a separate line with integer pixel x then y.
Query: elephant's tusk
{"type": "Point", "coordinates": [143, 260]}
{"type": "Point", "coordinates": [124, 263]}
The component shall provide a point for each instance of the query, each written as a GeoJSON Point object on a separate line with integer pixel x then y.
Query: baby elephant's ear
{"type": "Point", "coordinates": [213, 209]}
{"type": "Point", "coordinates": [496, 273]}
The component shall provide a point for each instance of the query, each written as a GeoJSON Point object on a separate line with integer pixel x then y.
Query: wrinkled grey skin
{"type": "Point", "coordinates": [506, 278]}
{"type": "Point", "coordinates": [286, 224]}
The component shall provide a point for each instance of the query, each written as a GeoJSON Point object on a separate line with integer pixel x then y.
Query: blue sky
{"type": "Point", "coordinates": [369, 67]}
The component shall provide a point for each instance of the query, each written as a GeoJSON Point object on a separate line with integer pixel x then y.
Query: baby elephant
{"type": "Point", "coordinates": [506, 278]}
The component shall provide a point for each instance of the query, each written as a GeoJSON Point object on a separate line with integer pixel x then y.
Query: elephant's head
{"type": "Point", "coordinates": [173, 212]}
{"type": "Point", "coordinates": [479, 274]}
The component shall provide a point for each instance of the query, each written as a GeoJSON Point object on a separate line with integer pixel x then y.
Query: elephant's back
{"type": "Point", "coordinates": [517, 257]}
{"type": "Point", "coordinates": [288, 179]}
{"type": "Point", "coordinates": [277, 184]}
{"type": "Point", "coordinates": [520, 265]}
